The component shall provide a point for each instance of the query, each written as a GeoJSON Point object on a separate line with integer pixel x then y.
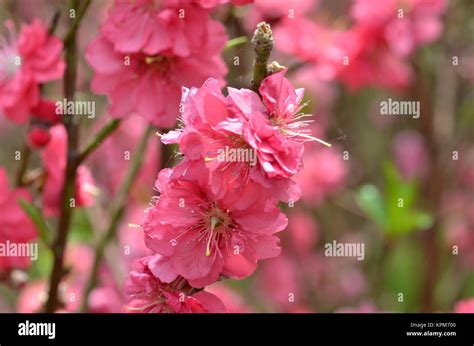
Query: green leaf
{"type": "Point", "coordinates": [81, 227]}
{"type": "Point", "coordinates": [37, 218]}
{"type": "Point", "coordinates": [402, 276]}
{"type": "Point", "coordinates": [371, 202]}
{"type": "Point", "coordinates": [235, 42]}
{"type": "Point", "coordinates": [41, 268]}
{"type": "Point", "coordinates": [400, 199]}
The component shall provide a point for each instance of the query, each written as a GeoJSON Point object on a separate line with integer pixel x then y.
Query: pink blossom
{"type": "Point", "coordinates": [26, 61]}
{"type": "Point", "coordinates": [145, 293]}
{"type": "Point", "coordinates": [324, 172]}
{"type": "Point", "coordinates": [146, 53]}
{"type": "Point", "coordinates": [273, 130]}
{"type": "Point", "coordinates": [322, 46]}
{"type": "Point", "coordinates": [384, 34]}
{"type": "Point", "coordinates": [233, 301]}
{"type": "Point", "coordinates": [303, 232]}
{"type": "Point", "coordinates": [357, 56]}
{"type": "Point", "coordinates": [15, 225]}
{"type": "Point", "coordinates": [368, 61]}
{"type": "Point", "coordinates": [266, 10]}
{"type": "Point", "coordinates": [379, 41]}
{"type": "Point", "coordinates": [403, 24]}
{"type": "Point", "coordinates": [54, 161]}
{"type": "Point", "coordinates": [465, 306]}
{"type": "Point", "coordinates": [411, 154]}
{"type": "Point", "coordinates": [202, 236]}
{"type": "Point", "coordinates": [105, 299]}
{"type": "Point", "coordinates": [211, 3]}
{"type": "Point", "coordinates": [280, 281]}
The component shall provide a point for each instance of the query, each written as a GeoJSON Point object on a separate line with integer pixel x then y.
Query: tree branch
{"type": "Point", "coordinates": [71, 124]}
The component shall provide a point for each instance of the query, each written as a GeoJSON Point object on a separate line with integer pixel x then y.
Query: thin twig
{"type": "Point", "coordinates": [117, 213]}
{"type": "Point", "coordinates": [105, 132]}
{"type": "Point", "coordinates": [26, 153]}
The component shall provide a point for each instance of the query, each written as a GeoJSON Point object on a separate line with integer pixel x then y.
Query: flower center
{"type": "Point", "coordinates": [159, 63]}
{"type": "Point", "coordinates": [219, 222]}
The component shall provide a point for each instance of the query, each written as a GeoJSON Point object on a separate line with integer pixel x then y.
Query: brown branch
{"type": "Point", "coordinates": [71, 124]}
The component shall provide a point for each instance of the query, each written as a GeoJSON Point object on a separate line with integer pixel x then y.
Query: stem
{"type": "Point", "coordinates": [262, 43]}
{"type": "Point", "coordinates": [71, 34]}
{"type": "Point", "coordinates": [26, 152]}
{"type": "Point", "coordinates": [106, 131]}
{"type": "Point", "coordinates": [117, 213]}
{"type": "Point", "coordinates": [71, 123]}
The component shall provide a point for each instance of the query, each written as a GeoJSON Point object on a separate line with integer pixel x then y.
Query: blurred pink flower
{"type": "Point", "coordinates": [105, 299]}
{"type": "Point", "coordinates": [303, 232]}
{"type": "Point", "coordinates": [147, 294]}
{"type": "Point", "coordinates": [411, 156]}
{"type": "Point", "coordinates": [380, 40]}
{"type": "Point", "coordinates": [404, 24]}
{"type": "Point", "coordinates": [367, 61]}
{"type": "Point", "coordinates": [383, 35]}
{"type": "Point", "coordinates": [324, 172]}
{"type": "Point", "coordinates": [267, 10]}
{"type": "Point", "coordinates": [146, 53]}
{"type": "Point", "coordinates": [280, 283]}
{"type": "Point", "coordinates": [233, 301]}
{"type": "Point", "coordinates": [210, 3]}
{"type": "Point", "coordinates": [15, 225]}
{"type": "Point", "coordinates": [319, 45]}
{"type": "Point", "coordinates": [26, 61]}
{"type": "Point", "coordinates": [131, 236]}
{"type": "Point", "coordinates": [54, 161]}
{"type": "Point", "coordinates": [465, 306]}
{"type": "Point", "coordinates": [111, 160]}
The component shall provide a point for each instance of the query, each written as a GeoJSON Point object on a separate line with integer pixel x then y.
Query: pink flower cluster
{"type": "Point", "coordinates": [374, 50]}
{"type": "Point", "coordinates": [147, 50]}
{"type": "Point", "coordinates": [27, 61]}
{"type": "Point", "coordinates": [15, 225]}
{"type": "Point", "coordinates": [54, 158]}
{"type": "Point", "coordinates": [217, 215]}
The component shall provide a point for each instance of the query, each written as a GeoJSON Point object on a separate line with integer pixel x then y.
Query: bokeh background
{"type": "Point", "coordinates": [402, 186]}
